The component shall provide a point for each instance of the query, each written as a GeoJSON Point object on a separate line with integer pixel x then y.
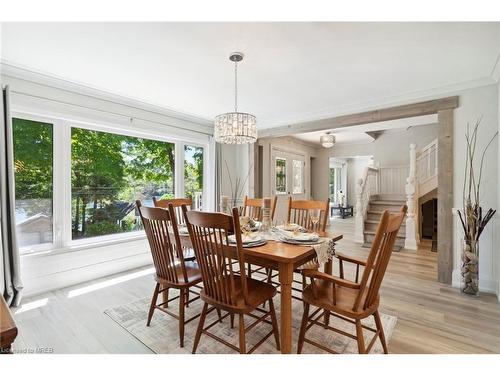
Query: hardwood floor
{"type": "Point", "coordinates": [432, 317]}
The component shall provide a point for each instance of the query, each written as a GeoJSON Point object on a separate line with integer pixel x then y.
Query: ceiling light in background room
{"type": "Point", "coordinates": [235, 127]}
{"type": "Point", "coordinates": [327, 140]}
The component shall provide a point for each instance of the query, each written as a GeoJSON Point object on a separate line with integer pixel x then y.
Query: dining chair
{"type": "Point", "coordinates": [252, 207]}
{"type": "Point", "coordinates": [177, 204]}
{"type": "Point", "coordinates": [223, 287]}
{"type": "Point", "coordinates": [299, 213]}
{"type": "Point", "coordinates": [348, 300]}
{"type": "Point", "coordinates": [172, 270]}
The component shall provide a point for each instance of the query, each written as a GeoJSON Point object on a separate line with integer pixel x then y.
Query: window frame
{"type": "Point", "coordinates": [286, 175]}
{"type": "Point", "coordinates": [61, 207]}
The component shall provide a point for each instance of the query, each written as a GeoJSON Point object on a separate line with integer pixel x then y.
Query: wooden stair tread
{"type": "Point", "coordinates": [388, 203]}
{"type": "Point", "coordinates": [372, 232]}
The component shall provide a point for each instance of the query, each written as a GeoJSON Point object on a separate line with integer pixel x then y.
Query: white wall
{"type": "Point", "coordinates": [474, 103]}
{"type": "Point", "coordinates": [354, 170]}
{"type": "Point", "coordinates": [496, 221]}
{"type": "Point", "coordinates": [391, 147]}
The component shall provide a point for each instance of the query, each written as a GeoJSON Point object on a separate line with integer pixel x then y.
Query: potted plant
{"type": "Point", "coordinates": [472, 216]}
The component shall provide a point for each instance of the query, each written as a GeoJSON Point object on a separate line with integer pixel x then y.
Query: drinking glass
{"type": "Point", "coordinates": [314, 215]}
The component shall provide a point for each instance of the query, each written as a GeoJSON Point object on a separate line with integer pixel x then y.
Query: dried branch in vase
{"type": "Point", "coordinates": [239, 185]}
{"type": "Point", "coordinates": [471, 217]}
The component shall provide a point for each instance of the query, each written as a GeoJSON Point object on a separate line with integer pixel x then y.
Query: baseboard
{"type": "Point", "coordinates": [485, 285]}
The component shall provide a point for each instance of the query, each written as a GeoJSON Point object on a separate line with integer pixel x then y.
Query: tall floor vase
{"type": "Point", "coordinates": [470, 268]}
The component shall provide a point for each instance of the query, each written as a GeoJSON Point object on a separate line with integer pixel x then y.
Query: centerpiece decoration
{"type": "Point", "coordinates": [472, 216]}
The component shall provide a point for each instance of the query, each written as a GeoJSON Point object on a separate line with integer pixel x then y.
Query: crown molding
{"type": "Point", "coordinates": [390, 101]}
{"type": "Point", "coordinates": [9, 69]}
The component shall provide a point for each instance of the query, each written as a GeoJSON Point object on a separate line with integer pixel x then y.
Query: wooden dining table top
{"type": "Point", "coordinates": [277, 250]}
{"type": "Point", "coordinates": [285, 252]}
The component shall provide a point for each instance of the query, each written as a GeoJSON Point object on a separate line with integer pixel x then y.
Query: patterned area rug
{"type": "Point", "coordinates": [162, 335]}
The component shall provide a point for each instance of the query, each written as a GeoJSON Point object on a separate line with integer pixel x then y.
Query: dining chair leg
{"type": "Point", "coordinates": [249, 270]}
{"type": "Point", "coordinates": [381, 334]}
{"type": "Point", "coordinates": [153, 303]}
{"type": "Point", "coordinates": [303, 325]}
{"type": "Point", "coordinates": [165, 297]}
{"type": "Point", "coordinates": [200, 327]}
{"type": "Point", "coordinates": [182, 304]}
{"type": "Point", "coordinates": [269, 272]}
{"type": "Point", "coordinates": [231, 316]}
{"type": "Point", "coordinates": [219, 314]}
{"type": "Point", "coordinates": [243, 349]}
{"type": "Point", "coordinates": [275, 324]}
{"type": "Point", "coordinates": [359, 337]}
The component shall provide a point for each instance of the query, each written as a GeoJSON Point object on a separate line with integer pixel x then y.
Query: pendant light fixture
{"type": "Point", "coordinates": [327, 140]}
{"type": "Point", "coordinates": [235, 127]}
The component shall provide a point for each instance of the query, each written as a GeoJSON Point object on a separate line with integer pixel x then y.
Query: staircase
{"type": "Point", "coordinates": [378, 204]}
{"type": "Point", "coordinates": [388, 188]}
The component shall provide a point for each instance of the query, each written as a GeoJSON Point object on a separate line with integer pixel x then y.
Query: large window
{"type": "Point", "coordinates": [33, 165]}
{"type": "Point", "coordinates": [193, 174]}
{"type": "Point", "coordinates": [109, 172]}
{"type": "Point", "coordinates": [77, 182]}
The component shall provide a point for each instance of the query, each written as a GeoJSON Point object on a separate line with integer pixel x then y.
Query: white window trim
{"type": "Point", "coordinates": [61, 210]}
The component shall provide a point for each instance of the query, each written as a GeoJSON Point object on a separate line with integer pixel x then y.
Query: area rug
{"type": "Point", "coordinates": [162, 335]}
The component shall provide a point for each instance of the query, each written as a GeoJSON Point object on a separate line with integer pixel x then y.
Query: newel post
{"type": "Point", "coordinates": [359, 220]}
{"type": "Point", "coordinates": [410, 190]}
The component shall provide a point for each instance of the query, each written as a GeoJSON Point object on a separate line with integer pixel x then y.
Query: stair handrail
{"type": "Point", "coordinates": [365, 188]}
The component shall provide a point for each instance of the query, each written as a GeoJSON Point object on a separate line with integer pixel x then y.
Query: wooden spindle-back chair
{"type": "Point", "coordinates": [252, 207]}
{"type": "Point", "coordinates": [177, 204]}
{"type": "Point", "coordinates": [223, 286]}
{"type": "Point", "coordinates": [298, 213]}
{"type": "Point", "coordinates": [172, 270]}
{"type": "Point", "coordinates": [353, 301]}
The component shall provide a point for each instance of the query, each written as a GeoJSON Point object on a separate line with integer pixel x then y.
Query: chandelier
{"type": "Point", "coordinates": [327, 140]}
{"type": "Point", "coordinates": [235, 127]}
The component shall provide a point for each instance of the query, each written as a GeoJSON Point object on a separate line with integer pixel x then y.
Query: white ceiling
{"type": "Point", "coordinates": [292, 71]}
{"type": "Point", "coordinates": [357, 134]}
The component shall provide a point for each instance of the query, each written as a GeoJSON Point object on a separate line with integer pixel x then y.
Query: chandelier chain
{"type": "Point", "coordinates": [236, 86]}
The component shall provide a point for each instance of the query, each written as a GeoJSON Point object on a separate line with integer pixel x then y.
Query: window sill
{"type": "Point", "coordinates": [88, 244]}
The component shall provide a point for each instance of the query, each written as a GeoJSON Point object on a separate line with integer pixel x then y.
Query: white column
{"type": "Point", "coordinates": [410, 190]}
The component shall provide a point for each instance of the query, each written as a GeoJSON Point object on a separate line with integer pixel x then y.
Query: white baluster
{"type": "Point", "coordinates": [410, 190]}
{"type": "Point", "coordinates": [359, 221]}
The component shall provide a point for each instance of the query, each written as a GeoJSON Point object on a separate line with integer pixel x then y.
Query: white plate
{"type": "Point", "coordinates": [254, 244]}
{"type": "Point", "coordinates": [302, 237]}
{"type": "Point", "coordinates": [303, 243]}
{"type": "Point", "coordinates": [289, 227]}
{"type": "Point", "coordinates": [252, 238]}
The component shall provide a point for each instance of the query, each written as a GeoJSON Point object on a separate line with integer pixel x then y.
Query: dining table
{"type": "Point", "coordinates": [285, 258]}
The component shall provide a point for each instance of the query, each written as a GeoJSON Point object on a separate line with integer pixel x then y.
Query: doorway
{"type": "Point", "coordinates": [288, 180]}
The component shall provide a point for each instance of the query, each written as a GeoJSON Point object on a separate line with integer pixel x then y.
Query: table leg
{"type": "Point", "coordinates": [328, 270]}
{"type": "Point", "coordinates": [286, 278]}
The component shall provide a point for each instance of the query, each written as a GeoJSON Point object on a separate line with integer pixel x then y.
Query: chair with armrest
{"type": "Point", "coordinates": [348, 300]}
